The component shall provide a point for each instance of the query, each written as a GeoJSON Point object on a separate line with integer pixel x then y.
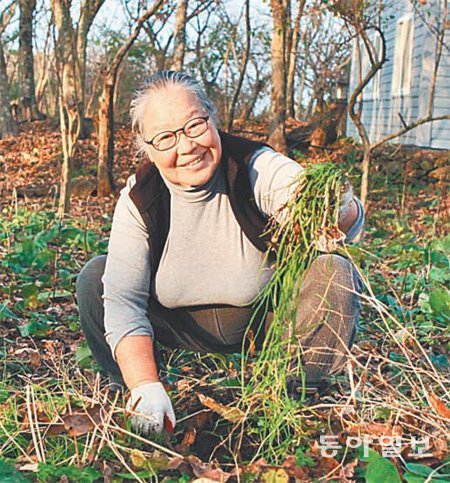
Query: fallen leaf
{"type": "Point", "coordinates": [294, 471]}
{"type": "Point", "coordinates": [439, 406]}
{"type": "Point", "coordinates": [441, 448]}
{"type": "Point", "coordinates": [33, 467]}
{"type": "Point", "coordinates": [207, 470]}
{"type": "Point", "coordinates": [275, 475]}
{"type": "Point", "coordinates": [175, 462]}
{"type": "Point", "coordinates": [30, 356]}
{"type": "Point", "coordinates": [257, 466]}
{"type": "Point", "coordinates": [189, 436]}
{"type": "Point", "coordinates": [79, 423]}
{"type": "Point", "coordinates": [375, 429]}
{"type": "Point", "coordinates": [138, 459]}
{"type": "Point", "coordinates": [55, 429]}
{"type": "Point", "coordinates": [346, 473]}
{"type": "Point", "coordinates": [155, 462]}
{"type": "Point", "coordinates": [230, 414]}
{"type": "Point", "coordinates": [326, 465]}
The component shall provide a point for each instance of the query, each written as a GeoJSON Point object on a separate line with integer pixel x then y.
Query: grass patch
{"type": "Point", "coordinates": [396, 380]}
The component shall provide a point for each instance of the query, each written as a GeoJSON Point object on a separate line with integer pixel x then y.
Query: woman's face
{"type": "Point", "coordinates": [192, 161]}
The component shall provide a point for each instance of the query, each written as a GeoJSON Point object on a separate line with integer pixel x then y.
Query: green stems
{"type": "Point", "coordinates": [304, 226]}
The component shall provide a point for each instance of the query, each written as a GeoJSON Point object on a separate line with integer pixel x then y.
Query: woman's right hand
{"type": "Point", "coordinates": [150, 405]}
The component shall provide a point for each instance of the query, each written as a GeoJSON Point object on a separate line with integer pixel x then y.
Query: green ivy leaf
{"type": "Point", "coordinates": [382, 470]}
{"type": "Point", "coordinates": [30, 294]}
{"type": "Point", "coordinates": [84, 355]}
{"type": "Point", "coordinates": [417, 473]}
{"type": "Point", "coordinates": [6, 313]}
{"type": "Point", "coordinates": [35, 327]}
{"type": "Point", "coordinates": [440, 361]}
{"type": "Point", "coordinates": [8, 474]}
{"type": "Point", "coordinates": [48, 472]}
{"type": "Point", "coordinates": [417, 469]}
{"type": "Point", "coordinates": [440, 302]}
{"type": "Point", "coordinates": [379, 469]}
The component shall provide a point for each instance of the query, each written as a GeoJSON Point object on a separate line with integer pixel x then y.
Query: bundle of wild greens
{"type": "Point", "coordinates": [305, 226]}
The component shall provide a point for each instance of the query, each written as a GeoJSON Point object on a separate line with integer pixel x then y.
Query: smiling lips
{"type": "Point", "coordinates": [194, 163]}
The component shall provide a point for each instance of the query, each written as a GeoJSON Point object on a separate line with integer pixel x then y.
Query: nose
{"type": "Point", "coordinates": [185, 144]}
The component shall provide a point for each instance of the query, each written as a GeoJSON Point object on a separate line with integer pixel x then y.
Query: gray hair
{"type": "Point", "coordinates": [158, 81]}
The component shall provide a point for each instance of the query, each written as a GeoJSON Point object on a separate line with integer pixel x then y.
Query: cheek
{"type": "Point", "coordinates": [162, 160]}
{"type": "Point", "coordinates": [215, 144]}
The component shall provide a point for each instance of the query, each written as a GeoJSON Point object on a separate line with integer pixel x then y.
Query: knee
{"type": "Point", "coordinates": [89, 280]}
{"type": "Point", "coordinates": [330, 266]}
{"type": "Point", "coordinates": [329, 262]}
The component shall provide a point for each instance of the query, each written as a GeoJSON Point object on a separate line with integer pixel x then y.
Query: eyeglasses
{"type": "Point", "coordinates": [192, 129]}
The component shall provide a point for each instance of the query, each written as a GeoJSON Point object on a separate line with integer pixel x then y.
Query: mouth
{"type": "Point", "coordinates": [194, 163]}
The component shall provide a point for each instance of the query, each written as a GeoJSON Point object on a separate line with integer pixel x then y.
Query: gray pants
{"type": "Point", "coordinates": [326, 319]}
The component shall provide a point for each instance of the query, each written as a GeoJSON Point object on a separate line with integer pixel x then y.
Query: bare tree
{"type": "Point", "coordinates": [292, 60]}
{"type": "Point", "coordinates": [277, 136]}
{"type": "Point", "coordinates": [70, 48]}
{"type": "Point", "coordinates": [244, 62]}
{"type": "Point", "coordinates": [180, 35]}
{"type": "Point", "coordinates": [26, 60]}
{"type": "Point", "coordinates": [153, 28]}
{"type": "Point", "coordinates": [359, 23]}
{"type": "Point", "coordinates": [257, 87]}
{"type": "Point", "coordinates": [71, 45]}
{"type": "Point", "coordinates": [44, 60]}
{"type": "Point", "coordinates": [89, 9]}
{"type": "Point", "coordinates": [8, 126]}
{"type": "Point", "coordinates": [105, 182]}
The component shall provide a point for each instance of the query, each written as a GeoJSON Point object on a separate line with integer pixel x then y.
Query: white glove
{"type": "Point", "coordinates": [345, 200]}
{"type": "Point", "coordinates": [150, 403]}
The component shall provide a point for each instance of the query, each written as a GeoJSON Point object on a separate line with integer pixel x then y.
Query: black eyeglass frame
{"type": "Point", "coordinates": [175, 133]}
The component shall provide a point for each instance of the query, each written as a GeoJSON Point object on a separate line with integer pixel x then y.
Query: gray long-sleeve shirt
{"type": "Point", "coordinates": [207, 259]}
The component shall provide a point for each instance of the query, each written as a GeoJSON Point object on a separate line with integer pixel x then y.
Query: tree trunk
{"type": "Point", "coordinates": [69, 95]}
{"type": "Point", "coordinates": [300, 111]}
{"type": "Point", "coordinates": [105, 180]}
{"type": "Point", "coordinates": [356, 115]}
{"type": "Point", "coordinates": [365, 167]}
{"type": "Point", "coordinates": [180, 36]}
{"type": "Point", "coordinates": [26, 61]}
{"type": "Point", "coordinates": [8, 126]}
{"type": "Point", "coordinates": [277, 137]}
{"type": "Point", "coordinates": [290, 106]}
{"type": "Point", "coordinates": [89, 9]}
{"type": "Point", "coordinates": [248, 109]}
{"type": "Point", "coordinates": [43, 60]}
{"type": "Point", "coordinates": [243, 69]}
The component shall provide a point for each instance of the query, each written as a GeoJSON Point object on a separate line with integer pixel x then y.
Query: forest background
{"type": "Point", "coordinates": [278, 72]}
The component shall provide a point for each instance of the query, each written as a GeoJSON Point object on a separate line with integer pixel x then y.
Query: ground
{"type": "Point", "coordinates": [385, 418]}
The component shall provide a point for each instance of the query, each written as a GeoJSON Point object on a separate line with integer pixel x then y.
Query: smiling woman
{"type": "Point", "coordinates": [187, 253]}
{"type": "Point", "coordinates": [187, 149]}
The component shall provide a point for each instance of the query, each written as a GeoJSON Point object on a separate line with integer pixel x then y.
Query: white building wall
{"type": "Point", "coordinates": [381, 106]}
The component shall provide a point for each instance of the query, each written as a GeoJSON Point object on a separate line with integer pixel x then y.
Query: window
{"type": "Point", "coordinates": [404, 38]}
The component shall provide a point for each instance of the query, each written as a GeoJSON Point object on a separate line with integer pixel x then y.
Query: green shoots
{"type": "Point", "coordinates": [305, 226]}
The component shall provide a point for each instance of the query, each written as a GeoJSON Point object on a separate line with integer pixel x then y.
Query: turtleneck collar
{"type": "Point", "coordinates": [195, 194]}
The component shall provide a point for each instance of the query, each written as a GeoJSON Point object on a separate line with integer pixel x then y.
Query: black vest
{"type": "Point", "coordinates": [152, 197]}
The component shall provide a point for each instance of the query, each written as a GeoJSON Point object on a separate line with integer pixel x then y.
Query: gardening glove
{"type": "Point", "coordinates": [345, 200]}
{"type": "Point", "coordinates": [151, 409]}
{"type": "Point", "coordinates": [330, 242]}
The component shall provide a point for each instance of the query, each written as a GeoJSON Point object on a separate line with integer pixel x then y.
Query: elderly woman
{"type": "Point", "coordinates": [186, 253]}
